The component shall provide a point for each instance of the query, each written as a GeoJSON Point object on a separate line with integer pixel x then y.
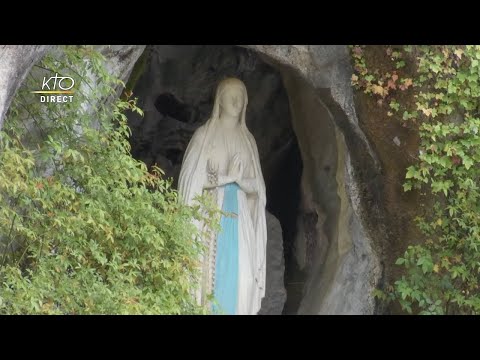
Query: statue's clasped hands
{"type": "Point", "coordinates": [234, 174]}
{"type": "Point", "coordinates": [235, 169]}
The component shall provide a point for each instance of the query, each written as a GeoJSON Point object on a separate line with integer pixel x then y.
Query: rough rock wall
{"type": "Point", "coordinates": [121, 58]}
{"type": "Point", "coordinates": [349, 232]}
{"type": "Point", "coordinates": [17, 60]}
{"type": "Point", "coordinates": [275, 293]}
{"type": "Point", "coordinates": [15, 63]}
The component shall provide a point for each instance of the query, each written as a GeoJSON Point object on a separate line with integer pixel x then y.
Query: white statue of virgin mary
{"type": "Point", "coordinates": [222, 158]}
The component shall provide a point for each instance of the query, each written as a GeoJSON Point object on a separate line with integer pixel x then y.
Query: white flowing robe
{"type": "Point", "coordinates": [252, 235]}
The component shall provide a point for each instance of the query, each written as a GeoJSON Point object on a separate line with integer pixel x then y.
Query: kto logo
{"type": "Point", "coordinates": [59, 85]}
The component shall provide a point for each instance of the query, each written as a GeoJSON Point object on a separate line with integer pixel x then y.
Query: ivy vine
{"type": "Point", "coordinates": [437, 88]}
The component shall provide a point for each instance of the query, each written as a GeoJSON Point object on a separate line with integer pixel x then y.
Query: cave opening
{"type": "Point", "coordinates": [175, 88]}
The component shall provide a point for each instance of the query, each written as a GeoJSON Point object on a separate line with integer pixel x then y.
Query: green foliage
{"type": "Point", "coordinates": [85, 228]}
{"type": "Point", "coordinates": [442, 275]}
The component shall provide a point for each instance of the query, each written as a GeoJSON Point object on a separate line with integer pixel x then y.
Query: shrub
{"type": "Point", "coordinates": [86, 228]}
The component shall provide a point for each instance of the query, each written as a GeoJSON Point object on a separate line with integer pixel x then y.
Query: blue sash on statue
{"type": "Point", "coordinates": [226, 264]}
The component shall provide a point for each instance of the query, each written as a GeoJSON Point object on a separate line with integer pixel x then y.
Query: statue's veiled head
{"type": "Point", "coordinates": [231, 99]}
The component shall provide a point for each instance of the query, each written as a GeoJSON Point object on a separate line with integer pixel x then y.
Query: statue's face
{"type": "Point", "coordinates": [232, 100]}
